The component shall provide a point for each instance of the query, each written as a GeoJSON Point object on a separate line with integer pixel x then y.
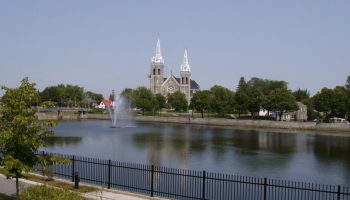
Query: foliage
{"type": "Point", "coordinates": [21, 135]}
{"type": "Point", "coordinates": [265, 86]}
{"type": "Point", "coordinates": [282, 100]}
{"type": "Point", "coordinates": [301, 95]}
{"type": "Point", "coordinates": [159, 102]}
{"type": "Point", "coordinates": [201, 101]}
{"type": "Point", "coordinates": [5, 197]}
{"type": "Point", "coordinates": [70, 95]}
{"type": "Point", "coordinates": [177, 100]}
{"type": "Point", "coordinates": [97, 110]}
{"type": "Point", "coordinates": [241, 97]}
{"type": "Point", "coordinates": [254, 100]}
{"type": "Point", "coordinates": [222, 100]}
{"type": "Point", "coordinates": [143, 99]}
{"type": "Point", "coordinates": [347, 84]}
{"type": "Point", "coordinates": [44, 192]}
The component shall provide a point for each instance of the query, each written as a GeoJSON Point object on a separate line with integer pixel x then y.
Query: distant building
{"type": "Point", "coordinates": [105, 103]}
{"type": "Point", "coordinates": [171, 84]}
{"type": "Point", "coordinates": [299, 115]}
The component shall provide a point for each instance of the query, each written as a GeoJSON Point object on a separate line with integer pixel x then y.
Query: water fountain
{"type": "Point", "coordinates": [120, 112]}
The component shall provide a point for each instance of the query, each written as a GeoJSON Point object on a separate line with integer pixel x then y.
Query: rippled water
{"type": "Point", "coordinates": [293, 156]}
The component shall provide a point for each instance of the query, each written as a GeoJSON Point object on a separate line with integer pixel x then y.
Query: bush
{"type": "Point", "coordinates": [44, 192]}
{"type": "Point", "coordinates": [97, 110]}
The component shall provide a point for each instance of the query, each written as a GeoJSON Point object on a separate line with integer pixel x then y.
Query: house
{"type": "Point", "coordinates": [299, 115]}
{"type": "Point", "coordinates": [105, 103]}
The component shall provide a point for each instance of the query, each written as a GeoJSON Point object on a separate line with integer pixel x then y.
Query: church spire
{"type": "Point", "coordinates": [157, 58]}
{"type": "Point", "coordinates": [185, 66]}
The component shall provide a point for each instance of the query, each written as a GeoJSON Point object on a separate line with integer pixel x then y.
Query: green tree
{"type": "Point", "coordinates": [282, 100]}
{"type": "Point", "coordinates": [241, 97]}
{"type": "Point", "coordinates": [160, 102]}
{"type": "Point", "coordinates": [265, 86]}
{"type": "Point", "coordinates": [254, 100]}
{"type": "Point", "coordinates": [201, 101]}
{"type": "Point", "coordinates": [91, 98]}
{"type": "Point", "coordinates": [177, 100]}
{"type": "Point", "coordinates": [143, 99]}
{"type": "Point", "coordinates": [301, 95]}
{"type": "Point", "coordinates": [323, 101]}
{"type": "Point", "coordinates": [21, 135]}
{"type": "Point", "coordinates": [222, 100]}
{"type": "Point", "coordinates": [347, 84]}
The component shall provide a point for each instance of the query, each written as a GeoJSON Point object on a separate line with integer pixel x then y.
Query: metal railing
{"type": "Point", "coordinates": [189, 184]}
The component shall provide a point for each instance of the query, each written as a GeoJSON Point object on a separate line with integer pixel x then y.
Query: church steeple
{"type": "Point", "coordinates": [185, 67]}
{"type": "Point", "coordinates": [157, 58]}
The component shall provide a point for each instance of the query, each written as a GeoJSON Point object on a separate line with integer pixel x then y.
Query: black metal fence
{"type": "Point", "coordinates": [188, 184]}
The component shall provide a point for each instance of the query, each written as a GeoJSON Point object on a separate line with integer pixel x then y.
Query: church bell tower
{"type": "Point", "coordinates": [185, 80]}
{"type": "Point", "coordinates": [156, 70]}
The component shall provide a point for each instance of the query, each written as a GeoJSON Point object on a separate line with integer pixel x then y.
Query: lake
{"type": "Point", "coordinates": [297, 156]}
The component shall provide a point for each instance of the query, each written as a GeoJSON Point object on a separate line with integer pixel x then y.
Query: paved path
{"type": "Point", "coordinates": [8, 187]}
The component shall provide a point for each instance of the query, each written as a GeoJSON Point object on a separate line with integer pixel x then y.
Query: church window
{"type": "Point", "coordinates": [154, 71]}
{"type": "Point", "coordinates": [158, 71]}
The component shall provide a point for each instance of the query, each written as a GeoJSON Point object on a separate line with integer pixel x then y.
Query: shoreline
{"type": "Point", "coordinates": [339, 128]}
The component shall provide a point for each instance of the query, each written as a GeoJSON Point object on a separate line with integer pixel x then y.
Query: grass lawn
{"type": "Point", "coordinates": [5, 197]}
{"type": "Point", "coordinates": [55, 183]}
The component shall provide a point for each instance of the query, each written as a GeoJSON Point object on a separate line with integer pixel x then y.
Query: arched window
{"type": "Point", "coordinates": [154, 71]}
{"type": "Point", "coordinates": [186, 80]}
{"type": "Point", "coordinates": [158, 71]}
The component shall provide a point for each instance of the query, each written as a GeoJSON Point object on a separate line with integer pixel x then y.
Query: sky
{"type": "Point", "coordinates": [105, 45]}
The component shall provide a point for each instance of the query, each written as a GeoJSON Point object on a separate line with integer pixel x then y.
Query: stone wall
{"type": "Point", "coordinates": [211, 121]}
{"type": "Point", "coordinates": [249, 123]}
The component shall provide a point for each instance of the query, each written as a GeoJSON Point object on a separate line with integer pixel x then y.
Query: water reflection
{"type": "Point", "coordinates": [62, 141]}
{"type": "Point", "coordinates": [329, 149]}
{"type": "Point", "coordinates": [261, 153]}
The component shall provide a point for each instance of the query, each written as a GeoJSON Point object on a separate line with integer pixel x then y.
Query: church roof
{"type": "Point", "coordinates": [194, 85]}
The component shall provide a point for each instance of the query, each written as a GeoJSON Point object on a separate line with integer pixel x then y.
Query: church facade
{"type": "Point", "coordinates": [167, 85]}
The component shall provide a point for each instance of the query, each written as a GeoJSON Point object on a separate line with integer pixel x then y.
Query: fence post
{"type": "Point", "coordinates": [73, 168]}
{"type": "Point", "coordinates": [338, 193]}
{"type": "Point", "coordinates": [152, 180]}
{"type": "Point", "coordinates": [265, 188]}
{"type": "Point", "coordinates": [109, 174]}
{"type": "Point", "coordinates": [203, 186]}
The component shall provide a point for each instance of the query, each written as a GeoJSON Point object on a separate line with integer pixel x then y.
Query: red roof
{"type": "Point", "coordinates": [107, 102]}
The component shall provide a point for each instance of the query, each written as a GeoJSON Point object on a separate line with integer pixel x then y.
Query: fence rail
{"type": "Point", "coordinates": [189, 184]}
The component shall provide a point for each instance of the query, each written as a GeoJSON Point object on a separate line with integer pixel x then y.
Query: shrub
{"type": "Point", "coordinates": [44, 192]}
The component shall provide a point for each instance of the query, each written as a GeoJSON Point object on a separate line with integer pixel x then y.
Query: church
{"type": "Point", "coordinates": [171, 84]}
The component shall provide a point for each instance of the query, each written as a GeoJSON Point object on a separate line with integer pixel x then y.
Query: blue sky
{"type": "Point", "coordinates": [105, 45]}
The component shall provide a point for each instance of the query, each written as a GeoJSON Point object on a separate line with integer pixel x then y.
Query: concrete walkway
{"type": "Point", "coordinates": [8, 187]}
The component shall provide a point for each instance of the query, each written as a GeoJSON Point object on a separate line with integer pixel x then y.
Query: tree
{"type": "Point", "coordinates": [282, 100]}
{"type": "Point", "coordinates": [347, 84]}
{"type": "Point", "coordinates": [21, 135]}
{"type": "Point", "coordinates": [160, 102]}
{"type": "Point", "coordinates": [143, 99]}
{"type": "Point", "coordinates": [323, 101]}
{"type": "Point", "coordinates": [201, 101]}
{"type": "Point", "coordinates": [177, 100]}
{"type": "Point", "coordinates": [91, 98]}
{"type": "Point", "coordinates": [222, 100]}
{"type": "Point", "coordinates": [254, 100]}
{"type": "Point", "coordinates": [301, 95]}
{"type": "Point", "coordinates": [241, 97]}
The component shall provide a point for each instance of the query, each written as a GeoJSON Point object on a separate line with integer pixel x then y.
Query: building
{"type": "Point", "coordinates": [171, 84]}
{"type": "Point", "coordinates": [299, 115]}
{"type": "Point", "coordinates": [104, 104]}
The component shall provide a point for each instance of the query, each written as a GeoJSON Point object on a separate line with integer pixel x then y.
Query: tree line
{"type": "Point", "coordinates": [249, 98]}
{"type": "Point", "coordinates": [69, 96]}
